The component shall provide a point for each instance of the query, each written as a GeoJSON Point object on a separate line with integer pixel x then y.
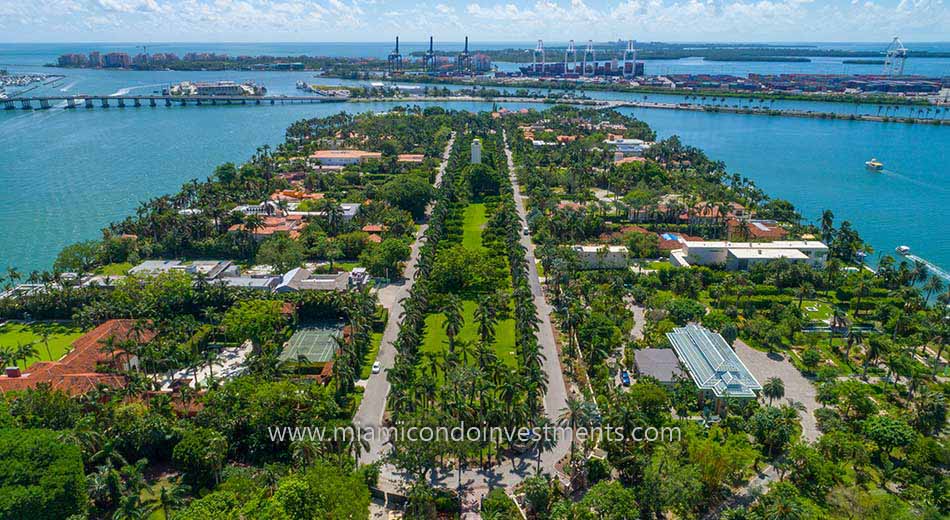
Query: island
{"type": "Point", "coordinates": [511, 313]}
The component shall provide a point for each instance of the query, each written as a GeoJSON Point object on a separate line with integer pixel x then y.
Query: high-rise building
{"type": "Point", "coordinates": [72, 60]}
{"type": "Point", "coordinates": [95, 59]}
{"type": "Point", "coordinates": [476, 151]}
{"type": "Point", "coordinates": [119, 60]}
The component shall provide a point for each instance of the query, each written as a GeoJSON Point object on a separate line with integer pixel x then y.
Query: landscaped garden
{"type": "Point", "coordinates": [49, 341]}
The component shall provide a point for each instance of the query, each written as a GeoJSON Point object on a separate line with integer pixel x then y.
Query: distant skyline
{"type": "Point", "coordinates": [484, 20]}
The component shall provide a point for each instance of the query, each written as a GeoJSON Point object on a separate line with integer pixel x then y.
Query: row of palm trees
{"type": "Point", "coordinates": [468, 382]}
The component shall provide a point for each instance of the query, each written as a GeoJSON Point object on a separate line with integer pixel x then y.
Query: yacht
{"type": "Point", "coordinates": [903, 250]}
{"type": "Point", "coordinates": [874, 165]}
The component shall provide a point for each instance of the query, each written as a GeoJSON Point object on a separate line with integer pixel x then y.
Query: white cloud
{"type": "Point", "coordinates": [504, 20]}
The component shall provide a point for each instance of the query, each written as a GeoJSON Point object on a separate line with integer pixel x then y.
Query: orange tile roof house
{"type": "Point", "coordinates": [291, 224]}
{"type": "Point", "coordinates": [295, 195]}
{"type": "Point", "coordinates": [758, 229]}
{"type": "Point", "coordinates": [75, 373]}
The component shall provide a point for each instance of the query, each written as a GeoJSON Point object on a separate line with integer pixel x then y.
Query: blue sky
{"type": "Point", "coordinates": [484, 20]}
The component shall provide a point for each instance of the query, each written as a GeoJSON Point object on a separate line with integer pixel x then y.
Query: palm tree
{"type": "Point", "coordinates": [172, 496]}
{"type": "Point", "coordinates": [543, 442]}
{"type": "Point", "coordinates": [774, 388]}
{"type": "Point", "coordinates": [805, 290]}
{"type": "Point", "coordinates": [487, 318]}
{"type": "Point", "coordinates": [13, 275]}
{"type": "Point", "coordinates": [933, 285]}
{"type": "Point", "coordinates": [7, 355]}
{"type": "Point", "coordinates": [577, 413]}
{"type": "Point", "coordinates": [44, 337]}
{"type": "Point", "coordinates": [453, 319]}
{"type": "Point", "coordinates": [131, 508]}
{"type": "Point", "coordinates": [839, 320]}
{"type": "Point", "coordinates": [25, 351]}
{"type": "Point", "coordinates": [304, 451]}
{"type": "Point", "coordinates": [875, 347]}
{"type": "Point", "coordinates": [827, 225]}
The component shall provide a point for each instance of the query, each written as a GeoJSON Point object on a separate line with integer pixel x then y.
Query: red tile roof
{"type": "Point", "coordinates": [75, 373]}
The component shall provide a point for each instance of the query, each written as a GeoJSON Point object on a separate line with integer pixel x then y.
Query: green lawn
{"type": "Point", "coordinates": [473, 224]}
{"type": "Point", "coordinates": [370, 358]}
{"type": "Point", "coordinates": [657, 266]}
{"type": "Point", "coordinates": [61, 336]}
{"type": "Point", "coordinates": [816, 310]}
{"type": "Point", "coordinates": [436, 340]}
{"type": "Point", "coordinates": [117, 269]}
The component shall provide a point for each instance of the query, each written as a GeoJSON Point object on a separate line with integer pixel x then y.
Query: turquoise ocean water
{"type": "Point", "coordinates": [65, 175]}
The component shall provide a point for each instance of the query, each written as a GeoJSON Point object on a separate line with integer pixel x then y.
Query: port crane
{"type": "Point", "coordinates": [395, 59]}
{"type": "Point", "coordinates": [428, 60]}
{"type": "Point", "coordinates": [464, 60]}
{"type": "Point", "coordinates": [589, 58]}
{"type": "Point", "coordinates": [629, 62]}
{"type": "Point", "coordinates": [539, 58]}
{"type": "Point", "coordinates": [894, 58]}
{"type": "Point", "coordinates": [570, 59]}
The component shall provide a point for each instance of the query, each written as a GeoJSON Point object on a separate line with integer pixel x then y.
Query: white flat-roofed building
{"type": "Point", "coordinates": [342, 157]}
{"type": "Point", "coordinates": [476, 151]}
{"type": "Point", "coordinates": [628, 146]}
{"type": "Point", "coordinates": [602, 256]}
{"type": "Point", "coordinates": [743, 255]}
{"type": "Point", "coordinates": [152, 267]}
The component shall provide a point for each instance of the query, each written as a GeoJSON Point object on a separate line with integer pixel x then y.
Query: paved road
{"type": "Point", "coordinates": [373, 405]}
{"type": "Point", "coordinates": [476, 482]}
{"type": "Point", "coordinates": [797, 387]}
{"type": "Point", "coordinates": [555, 399]}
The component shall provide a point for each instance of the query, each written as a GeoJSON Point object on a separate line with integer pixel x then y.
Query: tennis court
{"type": "Point", "coordinates": [314, 342]}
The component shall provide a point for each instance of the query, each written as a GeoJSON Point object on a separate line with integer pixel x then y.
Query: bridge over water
{"type": "Point", "coordinates": [88, 101]}
{"type": "Point", "coordinates": [127, 100]}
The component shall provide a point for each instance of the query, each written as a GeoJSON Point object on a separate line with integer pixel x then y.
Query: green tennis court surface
{"type": "Point", "coordinates": [313, 342]}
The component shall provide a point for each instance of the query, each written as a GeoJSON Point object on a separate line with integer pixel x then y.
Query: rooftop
{"type": "Point", "coordinates": [599, 248]}
{"type": "Point", "coordinates": [75, 373]}
{"type": "Point", "coordinates": [711, 362]}
{"type": "Point", "coordinates": [779, 244]}
{"type": "Point", "coordinates": [765, 254]}
{"type": "Point", "coordinates": [659, 363]}
{"type": "Point", "coordinates": [345, 154]}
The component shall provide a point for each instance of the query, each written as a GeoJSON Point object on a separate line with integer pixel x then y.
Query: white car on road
{"type": "Point", "coordinates": [376, 367]}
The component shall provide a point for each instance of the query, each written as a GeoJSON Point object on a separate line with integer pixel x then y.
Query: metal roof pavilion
{"type": "Point", "coordinates": [712, 363]}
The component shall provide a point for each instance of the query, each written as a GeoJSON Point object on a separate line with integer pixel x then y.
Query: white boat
{"type": "Point", "coordinates": [903, 250]}
{"type": "Point", "coordinates": [874, 164]}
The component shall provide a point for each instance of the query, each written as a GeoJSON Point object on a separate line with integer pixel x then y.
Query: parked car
{"type": "Point", "coordinates": [625, 378]}
{"type": "Point", "coordinates": [376, 367]}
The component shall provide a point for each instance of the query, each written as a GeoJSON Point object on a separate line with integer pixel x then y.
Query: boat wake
{"type": "Point", "coordinates": [913, 180]}
{"type": "Point", "coordinates": [935, 269]}
{"type": "Point", "coordinates": [121, 91]}
{"type": "Point", "coordinates": [68, 87]}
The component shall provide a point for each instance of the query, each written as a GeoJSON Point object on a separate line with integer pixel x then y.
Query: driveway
{"type": "Point", "coordinates": [797, 387]}
{"type": "Point", "coordinates": [373, 405]}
